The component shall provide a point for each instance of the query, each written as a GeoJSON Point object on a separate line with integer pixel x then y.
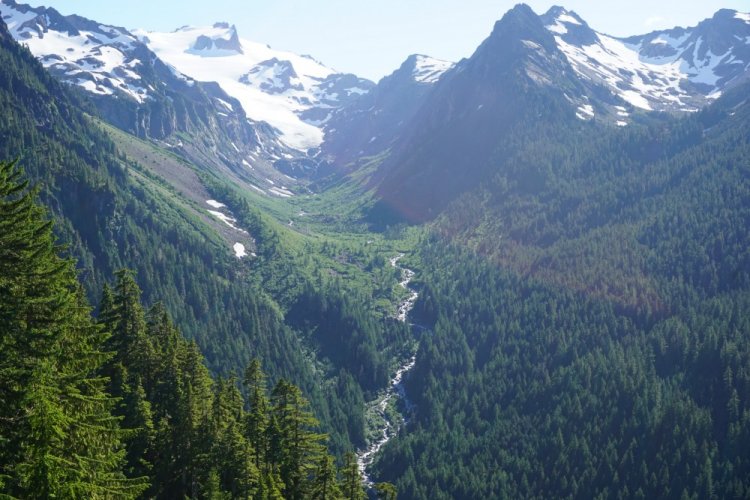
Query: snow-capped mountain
{"type": "Point", "coordinates": [295, 94]}
{"type": "Point", "coordinates": [102, 59]}
{"type": "Point", "coordinates": [372, 123]}
{"type": "Point", "coordinates": [135, 90]}
{"type": "Point", "coordinates": [537, 75]}
{"type": "Point", "coordinates": [427, 69]}
{"type": "Point", "coordinates": [681, 69]}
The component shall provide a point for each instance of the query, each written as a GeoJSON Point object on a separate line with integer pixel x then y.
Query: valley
{"type": "Point", "coordinates": [524, 274]}
{"type": "Point", "coordinates": [390, 410]}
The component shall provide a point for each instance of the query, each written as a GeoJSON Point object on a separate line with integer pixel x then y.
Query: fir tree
{"type": "Point", "coordinates": [351, 479]}
{"type": "Point", "coordinates": [325, 485]}
{"type": "Point", "coordinates": [257, 416]}
{"type": "Point", "coordinates": [300, 447]}
{"type": "Point", "coordinates": [60, 438]}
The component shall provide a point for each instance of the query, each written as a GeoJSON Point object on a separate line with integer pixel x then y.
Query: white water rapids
{"type": "Point", "coordinates": [390, 426]}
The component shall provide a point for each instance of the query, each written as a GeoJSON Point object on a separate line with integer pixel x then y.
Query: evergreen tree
{"type": "Point", "coordinates": [232, 451]}
{"type": "Point", "coordinates": [257, 416]}
{"type": "Point", "coordinates": [300, 447]}
{"type": "Point", "coordinates": [59, 437]}
{"type": "Point", "coordinates": [351, 479]}
{"type": "Point", "coordinates": [325, 485]}
{"type": "Point", "coordinates": [386, 491]}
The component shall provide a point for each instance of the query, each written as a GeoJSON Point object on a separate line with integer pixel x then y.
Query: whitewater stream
{"type": "Point", "coordinates": [390, 425]}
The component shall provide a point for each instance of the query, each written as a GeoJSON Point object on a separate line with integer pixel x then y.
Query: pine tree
{"type": "Point", "coordinates": [257, 416]}
{"type": "Point", "coordinates": [60, 438]}
{"type": "Point", "coordinates": [351, 479]}
{"type": "Point", "coordinates": [325, 485]}
{"type": "Point", "coordinates": [386, 491]}
{"type": "Point", "coordinates": [300, 447]}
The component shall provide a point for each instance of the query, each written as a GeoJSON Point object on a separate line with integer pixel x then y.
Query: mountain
{"type": "Point", "coordinates": [294, 94]}
{"type": "Point", "coordinates": [371, 123]}
{"type": "Point", "coordinates": [583, 333]}
{"type": "Point", "coordinates": [536, 75]}
{"type": "Point", "coordinates": [135, 90]}
{"type": "Point", "coordinates": [578, 265]}
{"type": "Point", "coordinates": [515, 76]}
{"type": "Point", "coordinates": [114, 211]}
{"type": "Point", "coordinates": [229, 274]}
{"type": "Point", "coordinates": [681, 69]}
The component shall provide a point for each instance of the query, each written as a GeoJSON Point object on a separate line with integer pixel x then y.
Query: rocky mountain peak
{"type": "Point", "coordinates": [569, 25]}
{"type": "Point", "coordinates": [423, 69]}
{"type": "Point", "coordinates": [226, 39]}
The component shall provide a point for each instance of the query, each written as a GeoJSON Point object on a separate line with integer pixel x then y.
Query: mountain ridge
{"type": "Point", "coordinates": [528, 59]}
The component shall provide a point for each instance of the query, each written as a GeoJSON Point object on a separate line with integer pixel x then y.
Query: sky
{"type": "Point", "coordinates": [371, 38]}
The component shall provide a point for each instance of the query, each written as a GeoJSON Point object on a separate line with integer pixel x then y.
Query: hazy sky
{"type": "Point", "coordinates": [372, 38]}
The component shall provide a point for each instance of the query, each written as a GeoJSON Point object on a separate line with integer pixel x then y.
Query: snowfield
{"type": "Point", "coordinates": [661, 70]}
{"type": "Point", "coordinates": [272, 86]}
{"type": "Point", "coordinates": [429, 70]}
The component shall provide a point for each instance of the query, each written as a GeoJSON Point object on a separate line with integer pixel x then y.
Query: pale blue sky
{"type": "Point", "coordinates": [372, 38]}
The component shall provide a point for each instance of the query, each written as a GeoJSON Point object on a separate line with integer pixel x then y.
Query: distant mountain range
{"type": "Point", "coordinates": [271, 118]}
{"type": "Point", "coordinates": [535, 72]}
{"type": "Point", "coordinates": [580, 255]}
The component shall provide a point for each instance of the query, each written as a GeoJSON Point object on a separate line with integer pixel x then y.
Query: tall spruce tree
{"type": "Point", "coordinates": [325, 485]}
{"type": "Point", "coordinates": [257, 416]}
{"type": "Point", "coordinates": [59, 436]}
{"type": "Point", "coordinates": [351, 479]}
{"type": "Point", "coordinates": [300, 447]}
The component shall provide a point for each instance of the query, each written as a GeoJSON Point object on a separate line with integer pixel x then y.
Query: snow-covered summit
{"type": "Point", "coordinates": [104, 60]}
{"type": "Point", "coordinates": [288, 91]}
{"type": "Point", "coordinates": [670, 70]}
{"type": "Point", "coordinates": [224, 41]}
{"type": "Point", "coordinates": [428, 69]}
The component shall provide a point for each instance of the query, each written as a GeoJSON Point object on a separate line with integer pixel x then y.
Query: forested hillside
{"type": "Point", "coordinates": [124, 406]}
{"type": "Point", "coordinates": [590, 333]}
{"type": "Point", "coordinates": [115, 212]}
{"type": "Point", "coordinates": [519, 280]}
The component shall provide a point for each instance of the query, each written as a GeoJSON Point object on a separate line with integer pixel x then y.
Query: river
{"type": "Point", "coordinates": [395, 391]}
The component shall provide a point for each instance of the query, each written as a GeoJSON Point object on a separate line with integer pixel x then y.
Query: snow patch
{"type": "Point", "coordinates": [705, 73]}
{"type": "Point", "coordinates": [567, 18]}
{"type": "Point", "coordinates": [743, 16]}
{"type": "Point", "coordinates": [215, 204]}
{"type": "Point", "coordinates": [281, 192]}
{"type": "Point", "coordinates": [226, 219]}
{"type": "Point", "coordinates": [531, 45]}
{"type": "Point", "coordinates": [225, 104]}
{"type": "Point", "coordinates": [558, 28]}
{"type": "Point", "coordinates": [239, 250]}
{"type": "Point", "coordinates": [586, 109]}
{"type": "Point", "coordinates": [429, 70]}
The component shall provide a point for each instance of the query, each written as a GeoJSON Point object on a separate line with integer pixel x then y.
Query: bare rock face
{"type": "Point", "coordinates": [231, 42]}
